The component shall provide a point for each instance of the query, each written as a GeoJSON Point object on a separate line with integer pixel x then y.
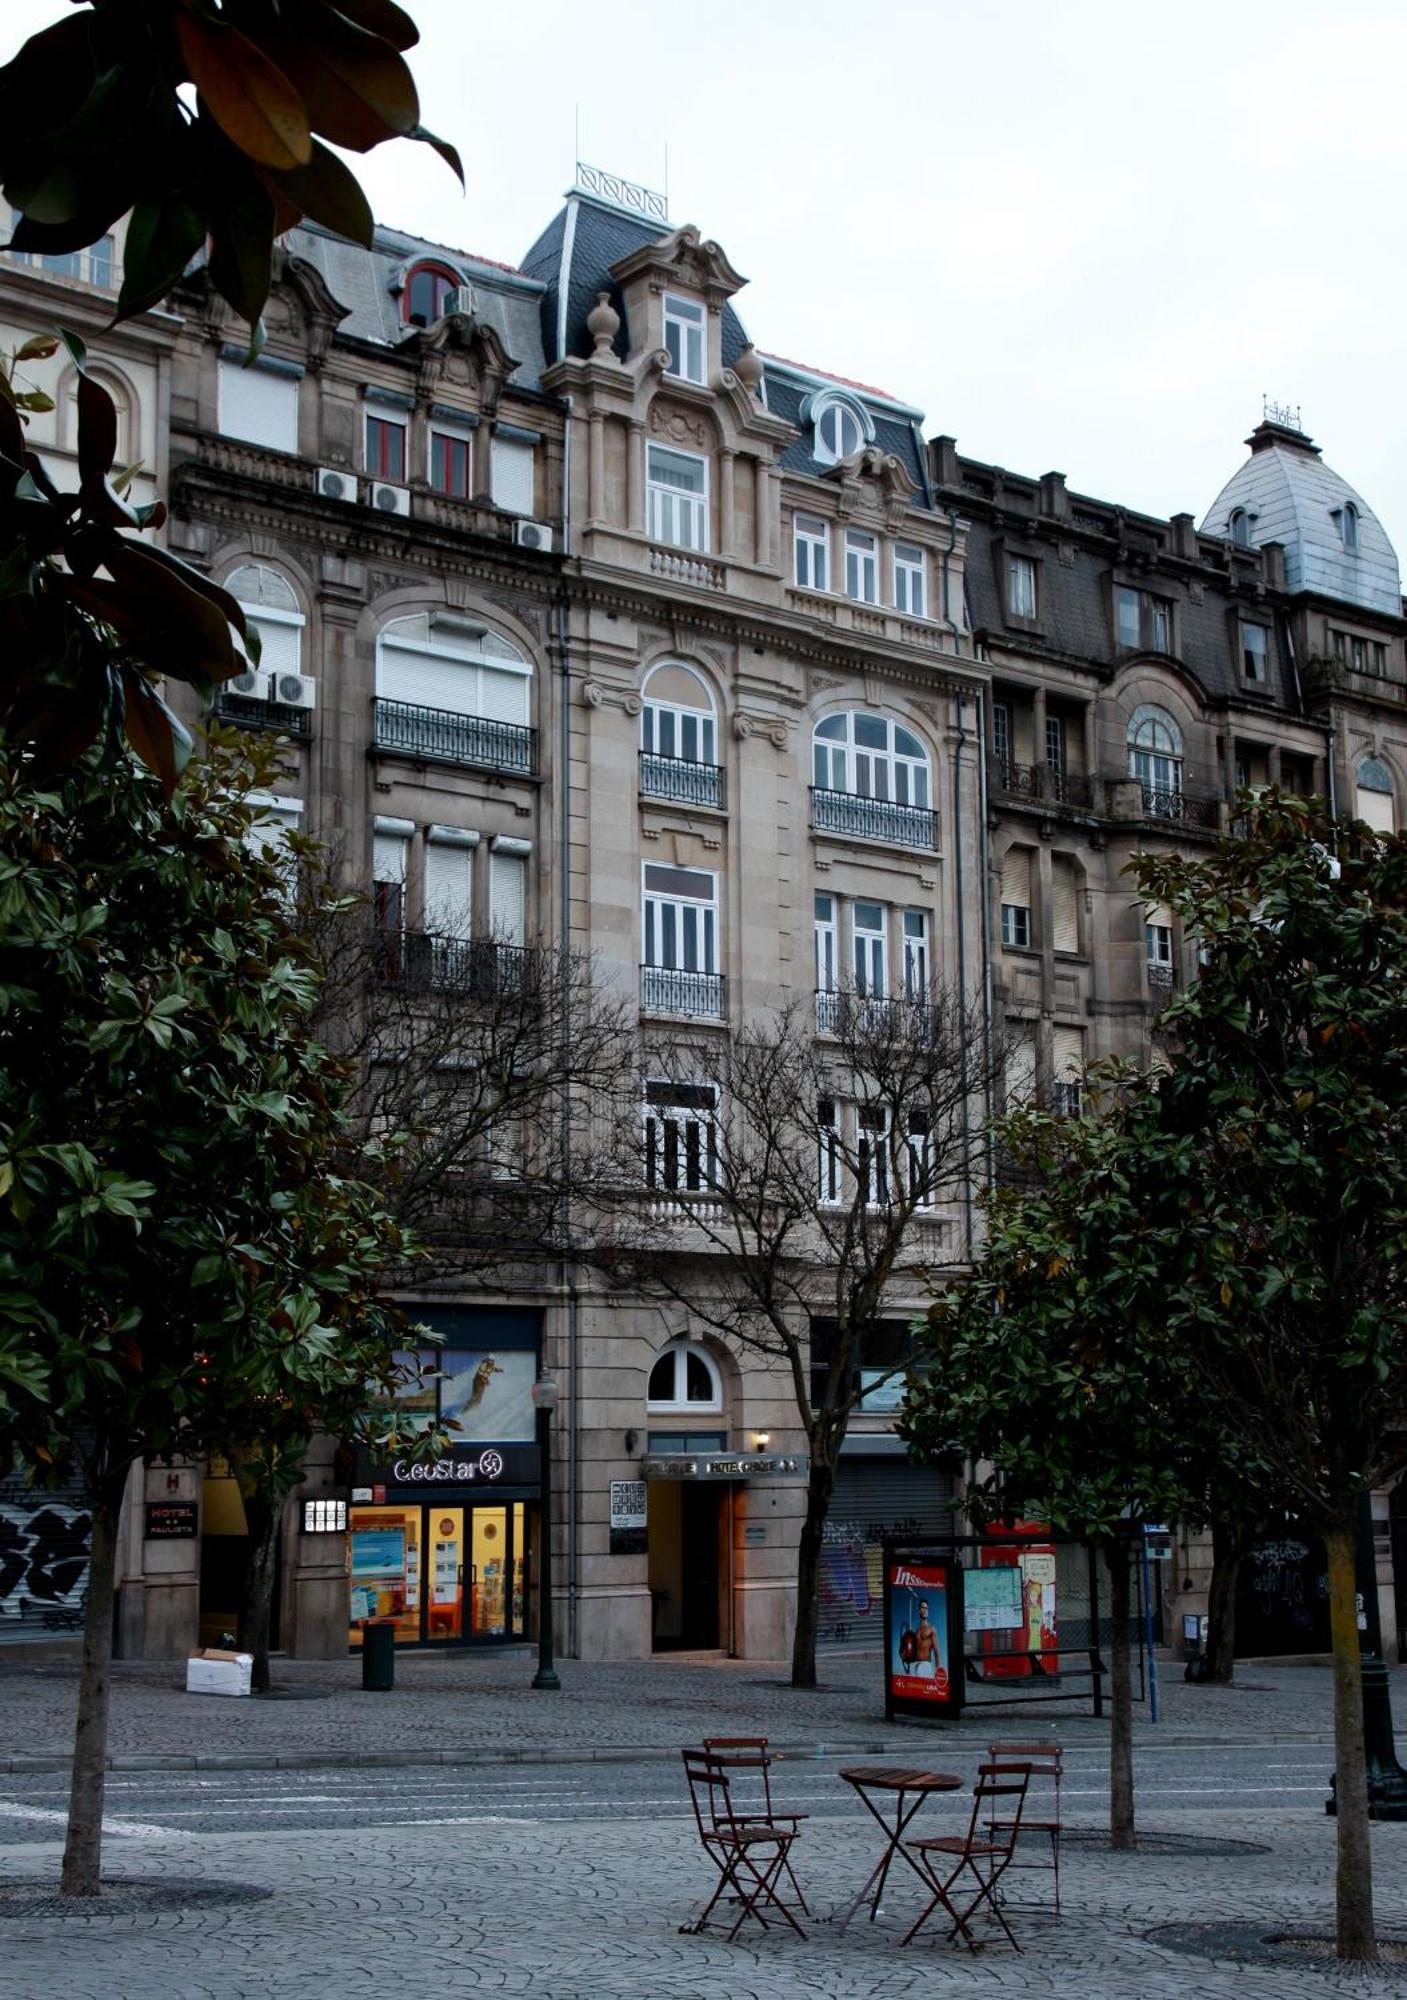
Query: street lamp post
{"type": "Point", "coordinates": [545, 1402]}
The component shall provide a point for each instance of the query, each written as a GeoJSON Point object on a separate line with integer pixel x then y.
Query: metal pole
{"type": "Point", "coordinates": [546, 1675]}
{"type": "Point", "coordinates": [1148, 1631]}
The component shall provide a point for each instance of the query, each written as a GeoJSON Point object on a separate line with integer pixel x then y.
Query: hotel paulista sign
{"type": "Point", "coordinates": [724, 1465]}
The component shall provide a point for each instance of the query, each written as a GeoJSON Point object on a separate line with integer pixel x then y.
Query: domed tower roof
{"type": "Point", "coordinates": [1333, 541]}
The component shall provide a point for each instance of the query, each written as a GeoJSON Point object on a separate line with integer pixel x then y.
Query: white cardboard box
{"type": "Point", "coordinates": [214, 1672]}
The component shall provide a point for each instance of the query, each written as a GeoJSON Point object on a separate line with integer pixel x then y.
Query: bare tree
{"type": "Point", "coordinates": [815, 1169]}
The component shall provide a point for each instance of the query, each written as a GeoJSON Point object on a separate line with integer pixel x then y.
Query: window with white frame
{"type": "Point", "coordinates": [870, 937]}
{"type": "Point", "coordinates": [910, 589]}
{"type": "Point", "coordinates": [916, 973]}
{"type": "Point", "coordinates": [827, 963]}
{"type": "Point", "coordinates": [1158, 945]}
{"type": "Point", "coordinates": [1155, 751]}
{"type": "Point", "coordinates": [1001, 734]}
{"type": "Point", "coordinates": [258, 404]}
{"type": "Point", "coordinates": [270, 604]}
{"type": "Point", "coordinates": [449, 875]}
{"type": "Point", "coordinates": [1020, 587]}
{"type": "Point", "coordinates": [680, 918]}
{"type": "Point", "coordinates": [1016, 899]}
{"type": "Point", "coordinates": [676, 484]}
{"type": "Point", "coordinates": [685, 323]}
{"type": "Point", "coordinates": [512, 480]}
{"type": "Point", "coordinates": [1067, 1062]}
{"type": "Point", "coordinates": [829, 1152]}
{"type": "Point", "coordinates": [1255, 651]}
{"type": "Point", "coordinates": [681, 1137]}
{"type": "Point", "coordinates": [508, 894]}
{"type": "Point", "coordinates": [840, 431]}
{"type": "Point", "coordinates": [454, 663]}
{"type": "Point", "coordinates": [683, 1377]}
{"type": "Point", "coordinates": [1055, 749]}
{"type": "Point", "coordinates": [811, 545]}
{"type": "Point", "coordinates": [872, 1153]}
{"type": "Point", "coordinates": [872, 757]}
{"type": "Point", "coordinates": [388, 884]}
{"type": "Point", "coordinates": [861, 566]}
{"type": "Point", "coordinates": [918, 1148]}
{"type": "Point", "coordinates": [279, 816]}
{"type": "Point", "coordinates": [677, 719]}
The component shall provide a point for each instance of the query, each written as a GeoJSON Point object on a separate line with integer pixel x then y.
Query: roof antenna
{"type": "Point", "coordinates": [666, 177]}
{"type": "Point", "coordinates": [576, 162]}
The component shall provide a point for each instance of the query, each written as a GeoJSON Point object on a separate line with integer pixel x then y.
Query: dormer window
{"type": "Point", "coordinates": [1241, 528]}
{"type": "Point", "coordinates": [1348, 527]}
{"type": "Point", "coordinates": [427, 287]}
{"type": "Point", "coordinates": [684, 326]}
{"type": "Point", "coordinates": [839, 431]}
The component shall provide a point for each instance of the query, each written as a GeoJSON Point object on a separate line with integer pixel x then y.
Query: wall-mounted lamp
{"type": "Point", "coordinates": [632, 1438]}
{"type": "Point", "coordinates": [761, 1440]}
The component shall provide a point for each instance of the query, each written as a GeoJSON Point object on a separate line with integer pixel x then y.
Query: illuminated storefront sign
{"type": "Point", "coordinates": [722, 1465]}
{"type": "Point", "coordinates": [491, 1465]}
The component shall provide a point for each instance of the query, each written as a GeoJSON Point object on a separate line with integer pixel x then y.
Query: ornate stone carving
{"type": "Point", "coordinates": [819, 682]}
{"type": "Point", "coordinates": [603, 324]}
{"type": "Point", "coordinates": [592, 694]}
{"type": "Point", "coordinates": [1065, 554]}
{"type": "Point", "coordinates": [748, 369]}
{"type": "Point", "coordinates": [632, 704]}
{"type": "Point", "coordinates": [679, 426]}
{"type": "Point", "coordinates": [742, 727]}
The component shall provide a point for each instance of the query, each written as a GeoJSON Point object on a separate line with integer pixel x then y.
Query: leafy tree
{"type": "Point", "coordinates": [1054, 1367]}
{"type": "Point", "coordinates": [799, 1217]}
{"type": "Point", "coordinates": [186, 1254]}
{"type": "Point", "coordinates": [203, 121]}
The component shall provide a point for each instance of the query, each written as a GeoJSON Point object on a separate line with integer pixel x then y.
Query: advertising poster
{"type": "Point", "coordinates": [923, 1654]}
{"type": "Point", "coordinates": [488, 1396]}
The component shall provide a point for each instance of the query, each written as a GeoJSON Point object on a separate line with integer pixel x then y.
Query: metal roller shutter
{"type": "Point", "coordinates": [1065, 899]}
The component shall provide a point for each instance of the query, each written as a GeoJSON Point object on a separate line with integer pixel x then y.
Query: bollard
{"type": "Point", "coordinates": [378, 1655]}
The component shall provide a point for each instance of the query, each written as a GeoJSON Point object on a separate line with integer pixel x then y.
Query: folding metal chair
{"type": "Point", "coordinates": [749, 1854]}
{"type": "Point", "coordinates": [743, 1754]}
{"type": "Point", "coordinates": [997, 1793]}
{"type": "Point", "coordinates": [1042, 1760]}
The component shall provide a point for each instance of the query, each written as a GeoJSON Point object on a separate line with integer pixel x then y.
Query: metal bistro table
{"type": "Point", "coordinates": [910, 1788]}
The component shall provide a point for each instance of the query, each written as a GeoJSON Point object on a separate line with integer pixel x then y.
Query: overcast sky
{"type": "Point", "coordinates": [1081, 237]}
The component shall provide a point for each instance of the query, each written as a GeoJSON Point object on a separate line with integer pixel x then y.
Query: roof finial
{"type": "Point", "coordinates": [1284, 414]}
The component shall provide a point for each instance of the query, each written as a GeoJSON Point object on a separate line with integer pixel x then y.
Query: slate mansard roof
{"type": "Point", "coordinates": [572, 259]}
{"type": "Point", "coordinates": [1290, 496]}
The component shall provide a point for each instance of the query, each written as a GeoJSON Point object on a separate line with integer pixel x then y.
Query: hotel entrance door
{"type": "Point", "coordinates": [447, 1575]}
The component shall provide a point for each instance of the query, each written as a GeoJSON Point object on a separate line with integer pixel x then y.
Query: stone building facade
{"type": "Point", "coordinates": [588, 622]}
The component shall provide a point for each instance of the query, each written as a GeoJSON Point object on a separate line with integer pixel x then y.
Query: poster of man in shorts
{"type": "Point", "coordinates": [919, 1666]}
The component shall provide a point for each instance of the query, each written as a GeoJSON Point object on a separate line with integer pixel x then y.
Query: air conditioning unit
{"type": "Point", "coordinates": [389, 499]}
{"type": "Point", "coordinates": [292, 690]}
{"type": "Point", "coordinates": [335, 485]}
{"type": "Point", "coordinates": [532, 535]}
{"type": "Point", "coordinates": [460, 300]}
{"type": "Point", "coordinates": [251, 685]}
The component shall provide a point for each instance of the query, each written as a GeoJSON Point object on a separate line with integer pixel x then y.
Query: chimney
{"type": "Point", "coordinates": [1053, 500]}
{"type": "Point", "coordinates": [943, 461]}
{"type": "Point", "coordinates": [1184, 536]}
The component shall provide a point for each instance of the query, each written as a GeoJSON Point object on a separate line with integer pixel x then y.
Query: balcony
{"type": "Point", "coordinates": [468, 968]}
{"type": "Point", "coordinates": [873, 819]}
{"type": "Point", "coordinates": [1179, 806]}
{"type": "Point", "coordinates": [1043, 782]}
{"type": "Point", "coordinates": [441, 736]}
{"type": "Point", "coordinates": [680, 781]}
{"type": "Point", "coordinates": [272, 715]}
{"type": "Point", "coordinates": [683, 566]}
{"type": "Point", "coordinates": [1162, 979]}
{"type": "Point", "coordinates": [665, 989]}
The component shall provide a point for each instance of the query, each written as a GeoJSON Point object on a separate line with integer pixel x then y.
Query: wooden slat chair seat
{"type": "Point", "coordinates": [978, 1858]}
{"type": "Point", "coordinates": [749, 1852]}
{"type": "Point", "coordinates": [1045, 1761]}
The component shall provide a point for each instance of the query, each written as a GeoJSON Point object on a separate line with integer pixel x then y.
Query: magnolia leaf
{"type": "Point", "coordinates": [247, 95]}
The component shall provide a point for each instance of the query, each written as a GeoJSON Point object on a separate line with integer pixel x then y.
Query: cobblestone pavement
{"type": "Point", "coordinates": [459, 1707]}
{"type": "Point", "coordinates": [591, 1912]}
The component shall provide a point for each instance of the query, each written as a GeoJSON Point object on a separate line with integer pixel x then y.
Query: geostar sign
{"type": "Point", "coordinates": [465, 1465]}
{"type": "Point", "coordinates": [721, 1465]}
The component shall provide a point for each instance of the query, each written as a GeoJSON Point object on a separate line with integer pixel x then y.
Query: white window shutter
{"type": "Point", "coordinates": [280, 646]}
{"type": "Point", "coordinates": [513, 475]}
{"type": "Point", "coordinates": [503, 697]}
{"type": "Point", "coordinates": [1376, 809]}
{"type": "Point", "coordinates": [1066, 905]}
{"type": "Point", "coordinates": [1016, 877]}
{"type": "Point", "coordinates": [1020, 1063]}
{"type": "Point", "coordinates": [428, 681]}
{"type": "Point", "coordinates": [508, 897]}
{"type": "Point", "coordinates": [447, 889]}
{"type": "Point", "coordinates": [1067, 1054]}
{"type": "Point", "coordinates": [259, 406]}
{"type": "Point", "coordinates": [388, 858]}
{"type": "Point", "coordinates": [1159, 913]}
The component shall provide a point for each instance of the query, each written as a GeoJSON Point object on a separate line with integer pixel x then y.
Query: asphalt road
{"type": "Point", "coordinates": [140, 1805]}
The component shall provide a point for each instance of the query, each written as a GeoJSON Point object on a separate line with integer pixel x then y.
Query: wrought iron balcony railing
{"type": "Point", "coordinates": [274, 715]}
{"type": "Point", "coordinates": [1161, 979]}
{"type": "Point", "coordinates": [450, 738]}
{"type": "Point", "coordinates": [681, 781]}
{"type": "Point", "coordinates": [842, 1011]}
{"type": "Point", "coordinates": [471, 968]}
{"type": "Point", "coordinates": [873, 819]}
{"type": "Point", "coordinates": [1043, 781]}
{"type": "Point", "coordinates": [1161, 804]}
{"type": "Point", "coordinates": [665, 989]}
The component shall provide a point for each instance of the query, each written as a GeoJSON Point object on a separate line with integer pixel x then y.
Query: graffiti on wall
{"type": "Point", "coordinates": [43, 1561]}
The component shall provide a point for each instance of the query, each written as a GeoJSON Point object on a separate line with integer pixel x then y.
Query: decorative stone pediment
{"type": "Point", "coordinates": [466, 351]}
{"type": "Point", "coordinates": [873, 478]}
{"type": "Point", "coordinates": [319, 311]}
{"type": "Point", "coordinates": [683, 259]}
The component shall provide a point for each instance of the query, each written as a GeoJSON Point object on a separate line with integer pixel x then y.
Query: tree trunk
{"type": "Point", "coordinates": [819, 1488]}
{"type": "Point", "coordinates": [83, 1848]}
{"type": "Point", "coordinates": [257, 1599]}
{"type": "Point", "coordinates": [1354, 1881]}
{"type": "Point", "coordinates": [1121, 1822]}
{"type": "Point", "coordinates": [1228, 1549]}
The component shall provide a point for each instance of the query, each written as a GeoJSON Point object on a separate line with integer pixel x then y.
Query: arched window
{"type": "Point", "coordinates": [271, 605]}
{"type": "Point", "coordinates": [841, 428]}
{"type": "Point", "coordinates": [678, 719]}
{"type": "Point", "coordinates": [1348, 527]}
{"type": "Point", "coordinates": [1241, 528]}
{"type": "Point", "coordinates": [1374, 802]}
{"type": "Point", "coordinates": [871, 757]}
{"type": "Point", "coordinates": [1155, 751]}
{"type": "Point", "coordinates": [684, 1378]}
{"type": "Point", "coordinates": [427, 286]}
{"type": "Point", "coordinates": [448, 687]}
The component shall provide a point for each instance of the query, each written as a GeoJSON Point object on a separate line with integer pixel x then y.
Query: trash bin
{"type": "Point", "coordinates": [378, 1655]}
